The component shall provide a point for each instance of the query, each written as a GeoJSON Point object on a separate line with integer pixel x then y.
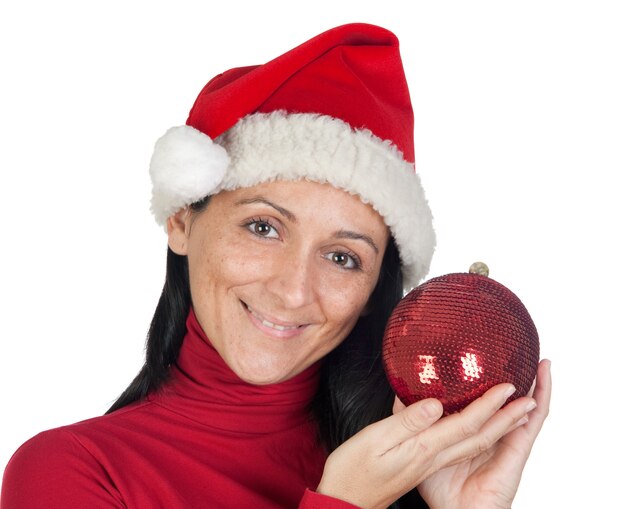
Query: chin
{"type": "Point", "coordinates": [260, 373]}
{"type": "Point", "coordinates": [263, 379]}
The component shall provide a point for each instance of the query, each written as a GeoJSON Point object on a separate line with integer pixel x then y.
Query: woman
{"type": "Point", "coordinates": [294, 220]}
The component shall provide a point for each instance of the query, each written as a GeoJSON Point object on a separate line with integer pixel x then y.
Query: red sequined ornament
{"type": "Point", "coordinates": [454, 337]}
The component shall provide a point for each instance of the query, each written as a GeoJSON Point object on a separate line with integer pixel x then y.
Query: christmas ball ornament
{"type": "Point", "coordinates": [455, 336]}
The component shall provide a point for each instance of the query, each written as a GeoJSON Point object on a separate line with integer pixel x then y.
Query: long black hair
{"type": "Point", "coordinates": [353, 391]}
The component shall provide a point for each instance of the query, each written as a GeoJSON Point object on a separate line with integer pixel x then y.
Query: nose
{"type": "Point", "coordinates": [293, 280]}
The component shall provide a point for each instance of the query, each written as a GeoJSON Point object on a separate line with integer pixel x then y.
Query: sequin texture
{"type": "Point", "coordinates": [457, 335]}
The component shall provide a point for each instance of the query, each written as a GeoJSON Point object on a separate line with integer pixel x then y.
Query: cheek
{"type": "Point", "coordinates": [218, 269]}
{"type": "Point", "coordinates": [222, 261]}
{"type": "Point", "coordinates": [344, 303]}
{"type": "Point", "coordinates": [216, 266]}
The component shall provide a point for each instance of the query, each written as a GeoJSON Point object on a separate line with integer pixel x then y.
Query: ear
{"type": "Point", "coordinates": [178, 226]}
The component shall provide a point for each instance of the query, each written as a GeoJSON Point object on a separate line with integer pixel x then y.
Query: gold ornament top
{"type": "Point", "coordinates": [479, 268]}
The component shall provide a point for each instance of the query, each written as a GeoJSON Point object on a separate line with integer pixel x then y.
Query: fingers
{"type": "Point", "coordinates": [512, 416]}
{"type": "Point", "coordinates": [542, 395]}
{"type": "Point", "coordinates": [525, 412]}
{"type": "Point", "coordinates": [472, 431]}
{"type": "Point", "coordinates": [466, 424]}
{"type": "Point", "coordinates": [370, 466]}
{"type": "Point", "coordinates": [397, 405]}
{"type": "Point", "coordinates": [411, 422]}
{"type": "Point", "coordinates": [543, 388]}
{"type": "Point", "coordinates": [521, 422]}
{"type": "Point", "coordinates": [407, 422]}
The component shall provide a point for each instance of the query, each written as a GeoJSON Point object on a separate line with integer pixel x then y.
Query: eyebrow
{"type": "Point", "coordinates": [341, 234]}
{"type": "Point", "coordinates": [259, 199]}
{"type": "Point", "coordinates": [346, 234]}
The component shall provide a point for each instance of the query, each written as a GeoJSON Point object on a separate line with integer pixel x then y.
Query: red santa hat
{"type": "Point", "coordinates": [335, 109]}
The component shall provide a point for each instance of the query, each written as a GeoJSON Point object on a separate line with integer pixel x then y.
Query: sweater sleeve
{"type": "Point", "coordinates": [314, 500]}
{"type": "Point", "coordinates": [53, 470]}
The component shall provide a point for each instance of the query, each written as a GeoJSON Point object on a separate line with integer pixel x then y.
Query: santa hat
{"type": "Point", "coordinates": [335, 109]}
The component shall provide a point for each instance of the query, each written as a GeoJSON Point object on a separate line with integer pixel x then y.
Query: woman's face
{"type": "Point", "coordinates": [279, 272]}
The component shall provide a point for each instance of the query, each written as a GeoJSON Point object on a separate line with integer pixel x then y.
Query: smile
{"type": "Point", "coordinates": [267, 323]}
{"type": "Point", "coordinates": [261, 320]}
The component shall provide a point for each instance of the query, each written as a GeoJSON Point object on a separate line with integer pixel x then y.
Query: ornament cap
{"type": "Point", "coordinates": [479, 268]}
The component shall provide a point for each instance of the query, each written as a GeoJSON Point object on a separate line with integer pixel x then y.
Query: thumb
{"type": "Point", "coordinates": [407, 422]}
{"type": "Point", "coordinates": [397, 406]}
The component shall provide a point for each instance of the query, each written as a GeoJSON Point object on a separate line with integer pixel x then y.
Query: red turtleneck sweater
{"type": "Point", "coordinates": [205, 440]}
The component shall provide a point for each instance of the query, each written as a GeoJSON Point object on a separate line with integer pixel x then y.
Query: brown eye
{"type": "Point", "coordinates": [340, 258]}
{"type": "Point", "coordinates": [262, 229]}
{"type": "Point", "coordinates": [344, 260]}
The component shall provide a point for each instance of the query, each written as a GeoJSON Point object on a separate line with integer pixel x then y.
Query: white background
{"type": "Point", "coordinates": [520, 140]}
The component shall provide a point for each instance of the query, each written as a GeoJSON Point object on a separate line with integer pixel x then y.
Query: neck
{"type": "Point", "coordinates": [206, 390]}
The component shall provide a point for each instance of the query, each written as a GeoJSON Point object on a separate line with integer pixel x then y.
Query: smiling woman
{"type": "Point", "coordinates": [279, 272]}
{"type": "Point", "coordinates": [295, 221]}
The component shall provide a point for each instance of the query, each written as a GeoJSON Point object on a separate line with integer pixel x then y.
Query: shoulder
{"type": "Point", "coordinates": [61, 468]}
{"type": "Point", "coordinates": [45, 449]}
{"type": "Point", "coordinates": [52, 470]}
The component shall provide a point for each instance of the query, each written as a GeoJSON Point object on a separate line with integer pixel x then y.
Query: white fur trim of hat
{"type": "Point", "coordinates": [187, 166]}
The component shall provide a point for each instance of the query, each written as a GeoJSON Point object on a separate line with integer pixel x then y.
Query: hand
{"type": "Point", "coordinates": [388, 458]}
{"type": "Point", "coordinates": [490, 479]}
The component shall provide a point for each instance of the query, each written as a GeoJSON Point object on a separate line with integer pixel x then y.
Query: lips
{"type": "Point", "coordinates": [259, 319]}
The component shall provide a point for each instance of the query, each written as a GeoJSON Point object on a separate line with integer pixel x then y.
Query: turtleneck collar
{"type": "Point", "coordinates": [203, 388]}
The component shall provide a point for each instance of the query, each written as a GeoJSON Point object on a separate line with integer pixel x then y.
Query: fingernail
{"type": "Point", "coordinates": [509, 392]}
{"type": "Point", "coordinates": [430, 409]}
{"type": "Point", "coordinates": [521, 422]}
{"type": "Point", "coordinates": [531, 406]}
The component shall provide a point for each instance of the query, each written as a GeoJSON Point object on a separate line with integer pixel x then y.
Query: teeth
{"type": "Point", "coordinates": [277, 327]}
{"type": "Point", "coordinates": [267, 323]}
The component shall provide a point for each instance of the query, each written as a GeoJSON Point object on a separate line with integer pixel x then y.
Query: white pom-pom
{"type": "Point", "coordinates": [185, 167]}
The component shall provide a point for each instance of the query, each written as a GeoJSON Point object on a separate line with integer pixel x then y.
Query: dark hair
{"type": "Point", "coordinates": [167, 329]}
{"type": "Point", "coordinates": [353, 391]}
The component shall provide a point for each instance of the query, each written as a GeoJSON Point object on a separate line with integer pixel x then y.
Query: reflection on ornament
{"type": "Point", "coordinates": [427, 369]}
{"type": "Point", "coordinates": [471, 368]}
